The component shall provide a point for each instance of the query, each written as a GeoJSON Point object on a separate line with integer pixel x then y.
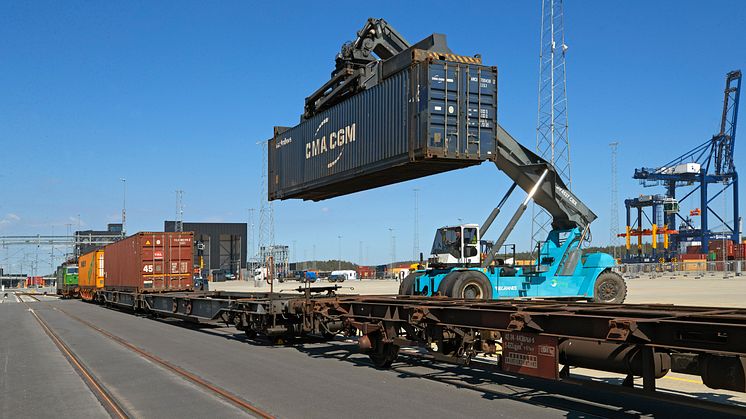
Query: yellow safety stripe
{"type": "Point", "coordinates": [453, 57]}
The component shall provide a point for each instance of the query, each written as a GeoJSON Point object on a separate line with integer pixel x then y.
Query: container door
{"type": "Point", "coordinates": [152, 261]}
{"type": "Point", "coordinates": [443, 103]}
{"type": "Point", "coordinates": [480, 95]}
{"type": "Point", "coordinates": [463, 110]}
{"type": "Point", "coordinates": [100, 270]}
{"type": "Point", "coordinates": [179, 261]}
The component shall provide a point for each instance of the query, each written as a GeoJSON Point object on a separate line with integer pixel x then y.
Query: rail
{"type": "Point", "coordinates": [108, 401]}
{"type": "Point", "coordinates": [189, 376]}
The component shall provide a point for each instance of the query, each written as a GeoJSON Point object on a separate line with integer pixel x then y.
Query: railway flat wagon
{"type": "Point", "coordinates": [150, 262]}
{"type": "Point", "coordinates": [91, 274]}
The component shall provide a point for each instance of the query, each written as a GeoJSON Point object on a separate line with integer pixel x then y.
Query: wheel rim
{"type": "Point", "coordinates": [472, 291]}
{"type": "Point", "coordinates": [608, 290]}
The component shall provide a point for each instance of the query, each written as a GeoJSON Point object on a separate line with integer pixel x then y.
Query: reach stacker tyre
{"type": "Point", "coordinates": [407, 284]}
{"type": "Point", "coordinates": [610, 288]}
{"type": "Point", "coordinates": [471, 285]}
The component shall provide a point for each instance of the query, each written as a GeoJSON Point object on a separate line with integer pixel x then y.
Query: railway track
{"type": "Point", "coordinates": [414, 356]}
{"type": "Point", "coordinates": [108, 401]}
{"type": "Point", "coordinates": [189, 376]}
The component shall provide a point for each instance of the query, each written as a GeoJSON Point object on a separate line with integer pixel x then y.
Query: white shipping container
{"type": "Point", "coordinates": [684, 245]}
{"type": "Point", "coordinates": [687, 168]}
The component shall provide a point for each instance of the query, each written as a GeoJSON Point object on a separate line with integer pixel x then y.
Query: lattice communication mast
{"type": "Point", "coordinates": [552, 141]}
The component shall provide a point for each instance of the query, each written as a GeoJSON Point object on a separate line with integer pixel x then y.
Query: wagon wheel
{"type": "Point", "coordinates": [449, 347]}
{"type": "Point", "coordinates": [383, 354]}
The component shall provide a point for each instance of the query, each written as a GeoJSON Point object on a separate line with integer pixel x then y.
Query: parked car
{"type": "Point", "coordinates": [337, 278]}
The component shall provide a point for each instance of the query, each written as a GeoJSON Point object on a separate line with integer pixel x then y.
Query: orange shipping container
{"type": "Point", "coordinates": [150, 262]}
{"type": "Point", "coordinates": [692, 265]}
{"type": "Point", "coordinates": [90, 273]}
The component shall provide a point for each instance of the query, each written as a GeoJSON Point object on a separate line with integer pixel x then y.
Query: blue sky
{"type": "Point", "coordinates": [175, 95]}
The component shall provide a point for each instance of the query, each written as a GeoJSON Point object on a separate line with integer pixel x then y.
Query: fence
{"type": "Point", "coordinates": [721, 269]}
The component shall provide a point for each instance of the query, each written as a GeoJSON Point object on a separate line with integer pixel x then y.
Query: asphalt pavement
{"type": "Point", "coordinates": [36, 380]}
{"type": "Point", "coordinates": [308, 380]}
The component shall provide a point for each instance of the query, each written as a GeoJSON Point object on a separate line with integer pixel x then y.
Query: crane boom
{"type": "Point", "coordinates": [377, 52]}
{"type": "Point", "coordinates": [356, 66]}
{"type": "Point", "coordinates": [525, 168]}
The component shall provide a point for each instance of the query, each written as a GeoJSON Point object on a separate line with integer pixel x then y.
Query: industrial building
{"type": "Point", "coordinates": [89, 240]}
{"type": "Point", "coordinates": [220, 248]}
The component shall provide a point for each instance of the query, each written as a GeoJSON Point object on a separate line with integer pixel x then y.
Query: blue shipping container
{"type": "Point", "coordinates": [432, 117]}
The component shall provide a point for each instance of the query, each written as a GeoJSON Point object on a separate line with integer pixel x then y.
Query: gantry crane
{"type": "Point", "coordinates": [710, 163]}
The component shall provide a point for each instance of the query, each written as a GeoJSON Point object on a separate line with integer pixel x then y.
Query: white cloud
{"type": "Point", "coordinates": [9, 218]}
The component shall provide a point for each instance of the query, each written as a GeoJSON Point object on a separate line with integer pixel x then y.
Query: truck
{"type": "Point", "coordinates": [299, 275]}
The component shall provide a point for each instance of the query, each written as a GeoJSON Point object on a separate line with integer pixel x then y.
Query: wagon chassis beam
{"type": "Point", "coordinates": [633, 339]}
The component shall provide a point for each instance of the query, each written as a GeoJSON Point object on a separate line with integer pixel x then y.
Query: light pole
{"type": "Point", "coordinates": [250, 237]}
{"type": "Point", "coordinates": [124, 206]}
{"type": "Point", "coordinates": [339, 262]}
{"type": "Point", "coordinates": [393, 251]}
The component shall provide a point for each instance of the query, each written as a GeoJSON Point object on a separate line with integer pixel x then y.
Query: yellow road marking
{"type": "Point", "coordinates": [686, 380]}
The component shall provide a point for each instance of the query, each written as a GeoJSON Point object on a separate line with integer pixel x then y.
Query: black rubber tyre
{"type": "Point", "coordinates": [448, 348]}
{"type": "Point", "coordinates": [472, 285]}
{"type": "Point", "coordinates": [447, 283]}
{"type": "Point", "coordinates": [610, 288]}
{"type": "Point", "coordinates": [407, 284]}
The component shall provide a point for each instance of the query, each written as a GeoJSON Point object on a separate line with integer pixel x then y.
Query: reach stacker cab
{"type": "Point", "coordinates": [561, 270]}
